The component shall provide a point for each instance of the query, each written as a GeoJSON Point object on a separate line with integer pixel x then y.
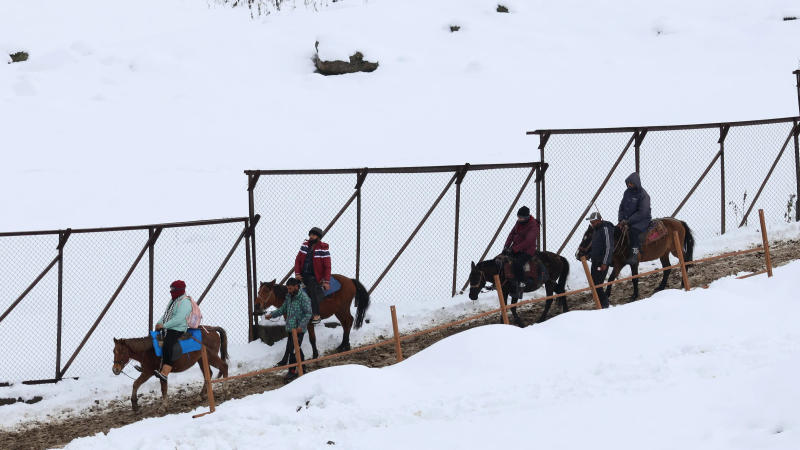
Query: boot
{"type": "Point", "coordinates": [634, 258]}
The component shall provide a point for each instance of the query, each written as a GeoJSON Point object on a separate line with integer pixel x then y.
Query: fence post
{"type": "Point", "coordinates": [679, 251]}
{"type": "Point", "coordinates": [459, 178]}
{"type": "Point", "coordinates": [543, 138]}
{"type": "Point", "coordinates": [359, 182]}
{"type": "Point", "coordinates": [499, 288]}
{"type": "Point", "coordinates": [207, 375]}
{"type": "Point", "coordinates": [723, 133]}
{"type": "Point", "coordinates": [251, 321]}
{"type": "Point", "coordinates": [297, 355]}
{"type": "Point", "coordinates": [150, 261]}
{"type": "Point", "coordinates": [796, 171]}
{"type": "Point", "coordinates": [62, 240]}
{"type": "Point", "coordinates": [252, 180]}
{"type": "Point", "coordinates": [591, 283]}
{"type": "Point", "coordinates": [397, 347]}
{"type": "Point", "coordinates": [767, 257]}
{"type": "Point", "coordinates": [640, 134]}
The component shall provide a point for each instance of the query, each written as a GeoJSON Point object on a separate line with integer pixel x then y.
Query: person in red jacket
{"type": "Point", "coordinates": [521, 245]}
{"type": "Point", "coordinates": [312, 266]}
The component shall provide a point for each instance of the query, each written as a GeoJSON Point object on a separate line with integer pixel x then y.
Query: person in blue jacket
{"type": "Point", "coordinates": [634, 210]}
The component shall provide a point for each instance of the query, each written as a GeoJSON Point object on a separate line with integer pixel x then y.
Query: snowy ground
{"type": "Point", "coordinates": [644, 375]}
{"type": "Point", "coordinates": [72, 397]}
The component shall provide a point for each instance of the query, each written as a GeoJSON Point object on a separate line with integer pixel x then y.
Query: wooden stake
{"type": "Point", "coordinates": [499, 288]}
{"type": "Point", "coordinates": [591, 283]}
{"type": "Point", "coordinates": [297, 353]}
{"type": "Point", "coordinates": [679, 251]}
{"type": "Point", "coordinates": [767, 257]}
{"type": "Point", "coordinates": [210, 388]}
{"type": "Point", "coordinates": [397, 348]}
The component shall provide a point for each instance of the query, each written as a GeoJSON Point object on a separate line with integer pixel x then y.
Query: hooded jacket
{"type": "Point", "coordinates": [635, 205]}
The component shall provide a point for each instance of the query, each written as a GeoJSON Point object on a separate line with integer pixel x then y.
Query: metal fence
{"type": "Point", "coordinates": [64, 294]}
{"type": "Point", "coordinates": [712, 176]}
{"type": "Point", "coordinates": [407, 233]}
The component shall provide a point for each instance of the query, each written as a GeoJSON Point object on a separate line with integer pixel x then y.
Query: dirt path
{"type": "Point", "coordinates": [38, 435]}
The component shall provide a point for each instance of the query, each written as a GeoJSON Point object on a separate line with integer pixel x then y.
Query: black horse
{"type": "Point", "coordinates": [657, 249]}
{"type": "Point", "coordinates": [557, 270]}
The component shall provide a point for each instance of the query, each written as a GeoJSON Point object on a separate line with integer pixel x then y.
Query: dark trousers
{"type": "Point", "coordinates": [518, 260]}
{"type": "Point", "coordinates": [290, 349]}
{"type": "Point", "coordinates": [314, 291]}
{"type": "Point", "coordinates": [598, 277]}
{"type": "Point", "coordinates": [634, 237]}
{"type": "Point", "coordinates": [170, 339]}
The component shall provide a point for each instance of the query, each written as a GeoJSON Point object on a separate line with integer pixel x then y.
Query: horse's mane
{"type": "Point", "coordinates": [139, 344]}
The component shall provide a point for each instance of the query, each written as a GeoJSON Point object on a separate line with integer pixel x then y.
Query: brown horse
{"type": "Point", "coordinates": [338, 304]}
{"type": "Point", "coordinates": [657, 249]}
{"type": "Point", "coordinates": [141, 349]}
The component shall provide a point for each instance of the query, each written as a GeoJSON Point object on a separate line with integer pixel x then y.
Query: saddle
{"type": "Point", "coordinates": [656, 231]}
{"type": "Point", "coordinates": [533, 269]}
{"type": "Point", "coordinates": [335, 287]}
{"type": "Point", "coordinates": [190, 341]}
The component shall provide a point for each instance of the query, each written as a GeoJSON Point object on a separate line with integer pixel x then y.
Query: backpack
{"type": "Point", "coordinates": [195, 317]}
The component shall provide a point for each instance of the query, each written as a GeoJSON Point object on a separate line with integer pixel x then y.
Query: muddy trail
{"type": "Point", "coordinates": [102, 418]}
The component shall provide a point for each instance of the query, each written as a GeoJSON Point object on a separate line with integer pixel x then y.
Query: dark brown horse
{"type": "Point", "coordinates": [557, 272]}
{"type": "Point", "coordinates": [657, 249]}
{"type": "Point", "coordinates": [141, 349]}
{"type": "Point", "coordinates": [338, 304]}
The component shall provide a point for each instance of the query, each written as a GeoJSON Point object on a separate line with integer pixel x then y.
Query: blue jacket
{"type": "Point", "coordinates": [177, 312]}
{"type": "Point", "coordinates": [635, 205]}
{"type": "Point", "coordinates": [602, 243]}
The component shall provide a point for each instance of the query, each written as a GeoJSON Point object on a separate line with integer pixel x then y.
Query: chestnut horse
{"type": "Point", "coordinates": [657, 249]}
{"type": "Point", "coordinates": [338, 304]}
{"type": "Point", "coordinates": [141, 349]}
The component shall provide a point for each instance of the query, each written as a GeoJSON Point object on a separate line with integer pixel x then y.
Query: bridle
{"type": "Point", "coordinates": [482, 280]}
{"type": "Point", "coordinates": [271, 294]}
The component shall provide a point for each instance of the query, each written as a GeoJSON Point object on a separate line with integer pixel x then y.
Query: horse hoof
{"type": "Point", "coordinates": [343, 348]}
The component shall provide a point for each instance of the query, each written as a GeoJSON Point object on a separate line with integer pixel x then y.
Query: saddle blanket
{"type": "Point", "coordinates": [654, 232]}
{"type": "Point", "coordinates": [335, 286]}
{"type": "Point", "coordinates": [187, 344]}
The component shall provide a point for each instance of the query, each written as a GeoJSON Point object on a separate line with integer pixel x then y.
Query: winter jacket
{"type": "Point", "coordinates": [178, 310]}
{"type": "Point", "coordinates": [635, 205]}
{"type": "Point", "coordinates": [322, 260]}
{"type": "Point", "coordinates": [602, 243]}
{"type": "Point", "coordinates": [524, 237]}
{"type": "Point", "coordinates": [297, 309]}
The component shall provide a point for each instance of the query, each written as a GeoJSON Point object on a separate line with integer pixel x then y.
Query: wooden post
{"type": "Point", "coordinates": [397, 348]}
{"type": "Point", "coordinates": [679, 251]}
{"type": "Point", "coordinates": [207, 375]}
{"type": "Point", "coordinates": [767, 257]}
{"type": "Point", "coordinates": [499, 289]}
{"type": "Point", "coordinates": [591, 283]}
{"type": "Point", "coordinates": [297, 353]}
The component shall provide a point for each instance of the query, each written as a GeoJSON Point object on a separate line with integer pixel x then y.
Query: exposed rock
{"type": "Point", "coordinates": [454, 28]}
{"type": "Point", "coordinates": [18, 57]}
{"type": "Point", "coordinates": [339, 67]}
{"type": "Point", "coordinates": [502, 9]}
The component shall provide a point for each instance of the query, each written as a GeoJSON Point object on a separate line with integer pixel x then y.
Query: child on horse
{"type": "Point", "coordinates": [174, 322]}
{"type": "Point", "coordinates": [521, 245]}
{"type": "Point", "coordinates": [297, 309]}
{"type": "Point", "coordinates": [314, 271]}
{"type": "Point", "coordinates": [634, 210]}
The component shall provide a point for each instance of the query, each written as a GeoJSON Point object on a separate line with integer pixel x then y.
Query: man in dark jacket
{"type": "Point", "coordinates": [521, 245]}
{"type": "Point", "coordinates": [312, 266]}
{"type": "Point", "coordinates": [601, 253]}
{"type": "Point", "coordinates": [635, 211]}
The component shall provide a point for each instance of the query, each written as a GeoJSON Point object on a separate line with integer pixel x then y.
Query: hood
{"type": "Point", "coordinates": [633, 178]}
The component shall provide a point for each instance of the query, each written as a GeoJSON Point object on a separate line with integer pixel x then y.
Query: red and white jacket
{"type": "Point", "coordinates": [322, 260]}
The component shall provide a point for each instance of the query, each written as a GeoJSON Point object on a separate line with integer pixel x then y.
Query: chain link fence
{"type": "Point", "coordinates": [408, 234]}
{"type": "Point", "coordinates": [67, 293]}
{"type": "Point", "coordinates": [712, 176]}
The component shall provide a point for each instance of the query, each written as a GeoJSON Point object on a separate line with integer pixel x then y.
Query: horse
{"type": "Point", "coordinates": [215, 339]}
{"type": "Point", "coordinates": [657, 249]}
{"type": "Point", "coordinates": [557, 270]}
{"type": "Point", "coordinates": [338, 304]}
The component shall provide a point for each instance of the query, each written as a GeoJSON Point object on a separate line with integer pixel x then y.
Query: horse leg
{"type": "Point", "coordinates": [346, 319]}
{"type": "Point", "coordinates": [312, 337]}
{"type": "Point", "coordinates": [146, 374]}
{"type": "Point", "coordinates": [164, 402]}
{"type": "Point", "coordinates": [514, 313]}
{"type": "Point", "coordinates": [635, 271]}
{"type": "Point", "coordinates": [614, 274]}
{"type": "Point", "coordinates": [665, 277]}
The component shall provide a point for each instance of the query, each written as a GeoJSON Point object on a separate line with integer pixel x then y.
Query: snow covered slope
{"type": "Point", "coordinates": [148, 111]}
{"type": "Point", "coordinates": [710, 369]}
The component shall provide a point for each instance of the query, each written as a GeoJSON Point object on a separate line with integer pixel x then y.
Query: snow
{"type": "Point", "coordinates": [712, 368]}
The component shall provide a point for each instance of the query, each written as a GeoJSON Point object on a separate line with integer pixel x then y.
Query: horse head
{"type": "Point", "coordinates": [477, 280]}
{"type": "Point", "coordinates": [270, 294]}
{"type": "Point", "coordinates": [586, 244]}
{"type": "Point", "coordinates": [122, 355]}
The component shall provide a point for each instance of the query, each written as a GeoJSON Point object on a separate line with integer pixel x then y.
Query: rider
{"type": "Point", "coordinates": [521, 245]}
{"type": "Point", "coordinates": [602, 252]}
{"type": "Point", "coordinates": [634, 209]}
{"type": "Point", "coordinates": [297, 309]}
{"type": "Point", "coordinates": [175, 324]}
{"type": "Point", "coordinates": [314, 272]}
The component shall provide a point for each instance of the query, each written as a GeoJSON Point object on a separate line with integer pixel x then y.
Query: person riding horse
{"type": "Point", "coordinates": [297, 309]}
{"type": "Point", "coordinates": [314, 272]}
{"type": "Point", "coordinates": [174, 323]}
{"type": "Point", "coordinates": [634, 210]}
{"type": "Point", "coordinates": [602, 252]}
{"type": "Point", "coordinates": [521, 246]}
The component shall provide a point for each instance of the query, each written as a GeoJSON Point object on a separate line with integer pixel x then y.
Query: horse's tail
{"type": "Point", "coordinates": [688, 243]}
{"type": "Point", "coordinates": [562, 277]}
{"type": "Point", "coordinates": [362, 303]}
{"type": "Point", "coordinates": [223, 342]}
